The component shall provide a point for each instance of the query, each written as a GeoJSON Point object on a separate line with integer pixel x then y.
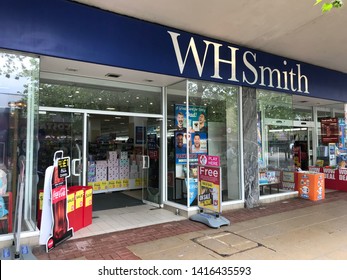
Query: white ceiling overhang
{"type": "Point", "coordinates": [294, 29]}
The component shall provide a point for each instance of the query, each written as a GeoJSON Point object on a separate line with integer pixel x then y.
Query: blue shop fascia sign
{"type": "Point", "coordinates": [71, 30]}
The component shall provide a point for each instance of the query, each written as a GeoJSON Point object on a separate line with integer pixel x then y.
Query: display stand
{"type": "Point", "coordinates": [55, 228]}
{"type": "Point", "coordinates": [335, 179]}
{"type": "Point", "coordinates": [213, 220]}
{"type": "Point", "coordinates": [80, 206]}
{"type": "Point", "coordinates": [310, 185]}
{"type": "Point", "coordinates": [269, 179]}
{"type": "Point", "coordinates": [209, 192]}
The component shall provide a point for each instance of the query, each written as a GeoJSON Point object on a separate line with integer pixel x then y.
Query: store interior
{"type": "Point", "coordinates": [116, 147]}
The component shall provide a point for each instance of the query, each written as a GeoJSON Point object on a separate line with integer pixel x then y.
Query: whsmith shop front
{"type": "Point", "coordinates": [134, 104]}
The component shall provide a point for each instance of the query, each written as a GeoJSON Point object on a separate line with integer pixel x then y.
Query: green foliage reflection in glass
{"type": "Point", "coordinates": [327, 6]}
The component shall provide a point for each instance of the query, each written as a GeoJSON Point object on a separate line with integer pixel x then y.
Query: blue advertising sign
{"type": "Point", "coordinates": [93, 35]}
{"type": "Point", "coordinates": [191, 132]}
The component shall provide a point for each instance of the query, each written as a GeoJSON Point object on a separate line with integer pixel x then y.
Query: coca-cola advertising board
{"type": "Point", "coordinates": [54, 221]}
{"type": "Point", "coordinates": [209, 183]}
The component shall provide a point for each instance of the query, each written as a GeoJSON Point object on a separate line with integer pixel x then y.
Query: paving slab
{"type": "Point", "coordinates": [316, 232]}
{"type": "Point", "coordinates": [258, 253]}
{"type": "Point", "coordinates": [187, 250]}
{"type": "Point", "coordinates": [226, 243]}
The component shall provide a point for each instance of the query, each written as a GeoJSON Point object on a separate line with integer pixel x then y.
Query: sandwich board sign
{"type": "Point", "coordinates": [210, 192]}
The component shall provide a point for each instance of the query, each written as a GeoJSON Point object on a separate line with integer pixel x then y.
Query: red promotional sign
{"type": "Point", "coordinates": [209, 183]}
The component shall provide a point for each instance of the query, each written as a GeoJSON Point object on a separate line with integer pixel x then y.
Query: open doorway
{"type": "Point", "coordinates": [123, 160]}
{"type": "Point", "coordinates": [120, 154]}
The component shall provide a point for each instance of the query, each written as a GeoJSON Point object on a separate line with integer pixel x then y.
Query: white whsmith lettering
{"type": "Point", "coordinates": [289, 79]}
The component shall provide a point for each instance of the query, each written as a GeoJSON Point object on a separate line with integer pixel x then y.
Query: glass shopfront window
{"type": "Point", "coordinates": [18, 142]}
{"type": "Point", "coordinates": [281, 146]}
{"type": "Point", "coordinates": [202, 119]}
{"type": "Point", "coordinates": [128, 98]}
{"type": "Point", "coordinates": [331, 136]}
{"type": "Point", "coordinates": [292, 136]}
{"type": "Point", "coordinates": [302, 113]}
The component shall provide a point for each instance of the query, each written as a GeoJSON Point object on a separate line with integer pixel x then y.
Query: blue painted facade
{"type": "Point", "coordinates": [66, 29]}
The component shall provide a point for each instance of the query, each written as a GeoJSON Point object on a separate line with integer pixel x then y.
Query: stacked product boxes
{"type": "Point", "coordinates": [124, 165]}
{"type": "Point", "coordinates": [101, 170]}
{"type": "Point", "coordinates": [113, 166]}
{"type": "Point", "coordinates": [118, 172]}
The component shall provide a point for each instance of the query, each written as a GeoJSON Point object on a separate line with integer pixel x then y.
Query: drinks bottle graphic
{"type": "Point", "coordinates": [59, 205]}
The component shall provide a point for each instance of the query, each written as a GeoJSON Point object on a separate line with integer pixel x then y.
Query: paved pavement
{"type": "Point", "coordinates": [293, 229]}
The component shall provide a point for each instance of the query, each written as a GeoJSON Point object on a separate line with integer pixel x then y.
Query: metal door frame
{"type": "Point", "coordinates": [86, 113]}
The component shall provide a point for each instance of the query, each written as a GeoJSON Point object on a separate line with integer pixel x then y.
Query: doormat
{"type": "Point", "coordinates": [105, 201]}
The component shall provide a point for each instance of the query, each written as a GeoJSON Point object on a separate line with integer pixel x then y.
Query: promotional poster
{"type": "Point", "coordinates": [54, 222]}
{"type": "Point", "coordinates": [190, 136]}
{"type": "Point", "coordinates": [329, 130]}
{"type": "Point", "coordinates": [342, 134]}
{"type": "Point", "coordinates": [190, 133]}
{"type": "Point", "coordinates": [209, 183]}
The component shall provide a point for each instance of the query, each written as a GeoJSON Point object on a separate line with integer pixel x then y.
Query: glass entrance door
{"type": "Point", "coordinates": [122, 152]}
{"type": "Point", "coordinates": [151, 163]}
{"type": "Point", "coordinates": [61, 131]}
{"type": "Point", "coordinates": [123, 155]}
{"type": "Point", "coordinates": [288, 144]}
